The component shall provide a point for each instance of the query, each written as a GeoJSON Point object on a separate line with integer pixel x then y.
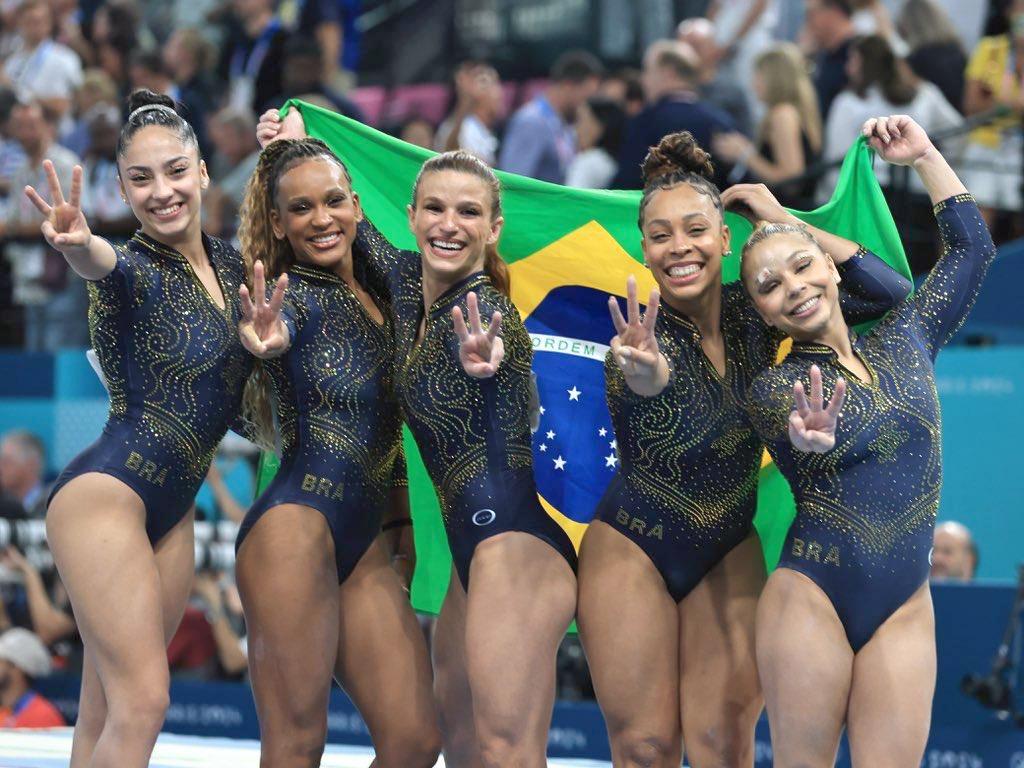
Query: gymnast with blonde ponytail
{"type": "Point", "coordinates": [321, 598]}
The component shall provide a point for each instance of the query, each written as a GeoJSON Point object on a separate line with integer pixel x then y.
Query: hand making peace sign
{"type": "Point", "coordinates": [261, 329]}
{"type": "Point", "coordinates": [480, 352]}
{"type": "Point", "coordinates": [812, 426]}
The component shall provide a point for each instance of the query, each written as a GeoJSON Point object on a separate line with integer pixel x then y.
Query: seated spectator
{"type": "Point", "coordinates": [992, 161]}
{"type": "Point", "coordinates": [789, 138]}
{"type": "Point", "coordinates": [252, 58]}
{"type": "Point", "coordinates": [331, 24]}
{"type": "Point", "coordinates": [116, 35]}
{"type": "Point", "coordinates": [881, 85]}
{"type": "Point", "coordinates": [624, 87]}
{"type": "Point", "coordinates": [235, 155]}
{"type": "Point", "coordinates": [479, 107]}
{"type": "Point", "coordinates": [936, 53]}
{"type": "Point", "coordinates": [954, 554]}
{"type": "Point", "coordinates": [54, 305]}
{"type": "Point", "coordinates": [189, 58]}
{"type": "Point", "coordinates": [102, 200]}
{"type": "Point", "coordinates": [97, 89]}
{"type": "Point", "coordinates": [715, 88]}
{"type": "Point", "coordinates": [600, 123]}
{"type": "Point", "coordinates": [828, 29]}
{"type": "Point", "coordinates": [219, 598]}
{"type": "Point", "coordinates": [743, 31]}
{"type": "Point", "coordinates": [670, 82]}
{"type": "Point", "coordinates": [301, 78]}
{"type": "Point", "coordinates": [872, 17]}
{"type": "Point", "coordinates": [22, 464]}
{"type": "Point", "coordinates": [539, 141]}
{"type": "Point", "coordinates": [42, 69]}
{"type": "Point", "coordinates": [23, 657]}
{"type": "Point", "coordinates": [12, 156]}
{"type": "Point", "coordinates": [418, 131]}
{"type": "Point", "coordinates": [146, 69]}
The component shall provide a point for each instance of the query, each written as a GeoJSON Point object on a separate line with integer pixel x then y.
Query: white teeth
{"type": "Point", "coordinates": [805, 306]}
{"type": "Point", "coordinates": [325, 238]}
{"type": "Point", "coordinates": [446, 245]}
{"type": "Point", "coordinates": [167, 210]}
{"type": "Point", "coordinates": [684, 271]}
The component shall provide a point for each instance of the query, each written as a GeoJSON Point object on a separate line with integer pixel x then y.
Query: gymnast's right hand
{"type": "Point", "coordinates": [635, 346]}
{"type": "Point", "coordinates": [261, 329]}
{"type": "Point", "coordinates": [65, 227]}
{"type": "Point", "coordinates": [271, 127]}
{"type": "Point", "coordinates": [812, 424]}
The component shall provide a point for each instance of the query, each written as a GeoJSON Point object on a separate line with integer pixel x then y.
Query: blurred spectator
{"type": "Point", "coordinates": [721, 91]}
{"type": "Point", "coordinates": [743, 30]}
{"type": "Point", "coordinates": [42, 68]}
{"type": "Point", "coordinates": [872, 17]}
{"type": "Point", "coordinates": [146, 70]}
{"type": "Point", "coordinates": [954, 554]}
{"type": "Point", "coordinates": [54, 305]}
{"type": "Point", "coordinates": [600, 123]}
{"type": "Point", "coordinates": [828, 27]}
{"type": "Point", "coordinates": [219, 598]}
{"type": "Point", "coordinates": [789, 137]}
{"type": "Point", "coordinates": [936, 53]}
{"type": "Point", "coordinates": [192, 651]}
{"type": "Point", "coordinates": [670, 82]}
{"type": "Point", "coordinates": [624, 87]}
{"type": "Point", "coordinates": [418, 131]}
{"type": "Point", "coordinates": [331, 24]}
{"type": "Point", "coordinates": [23, 657]}
{"type": "Point", "coordinates": [52, 622]}
{"type": "Point", "coordinates": [881, 85]}
{"type": "Point", "coordinates": [992, 162]}
{"type": "Point", "coordinates": [302, 77]}
{"type": "Point", "coordinates": [189, 58]}
{"type": "Point", "coordinates": [109, 214]}
{"type": "Point", "coordinates": [539, 140]}
{"type": "Point", "coordinates": [251, 60]}
{"type": "Point", "coordinates": [12, 156]}
{"type": "Point", "coordinates": [116, 35]}
{"type": "Point", "coordinates": [234, 160]}
{"type": "Point", "coordinates": [67, 28]}
{"type": "Point", "coordinates": [97, 89]}
{"type": "Point", "coordinates": [227, 506]}
{"type": "Point", "coordinates": [230, 483]}
{"type": "Point", "coordinates": [22, 464]}
{"type": "Point", "coordinates": [479, 107]}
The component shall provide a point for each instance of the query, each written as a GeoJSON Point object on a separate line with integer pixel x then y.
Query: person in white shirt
{"type": "Point", "coordinates": [479, 107]}
{"type": "Point", "coordinates": [600, 123]}
{"type": "Point", "coordinates": [42, 69]}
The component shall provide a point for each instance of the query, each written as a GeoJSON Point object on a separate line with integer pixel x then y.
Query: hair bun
{"type": "Point", "coordinates": [143, 97]}
{"type": "Point", "coordinates": [677, 153]}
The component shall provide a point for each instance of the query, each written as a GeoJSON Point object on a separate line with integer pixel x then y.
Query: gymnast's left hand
{"type": "Point", "coordinates": [812, 426]}
{"type": "Point", "coordinates": [261, 328]}
{"type": "Point", "coordinates": [635, 345]}
{"type": "Point", "coordinates": [480, 351]}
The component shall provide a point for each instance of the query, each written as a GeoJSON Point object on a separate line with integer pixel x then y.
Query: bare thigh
{"type": "Point", "coordinates": [806, 667]}
{"type": "Point", "coordinates": [287, 579]}
{"type": "Point", "coordinates": [521, 600]}
{"type": "Point", "coordinates": [720, 691]}
{"type": "Point", "coordinates": [382, 663]}
{"type": "Point", "coordinates": [630, 632]}
{"type": "Point", "coordinates": [893, 684]}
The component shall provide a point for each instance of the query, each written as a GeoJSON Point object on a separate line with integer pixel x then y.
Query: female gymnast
{"type": "Point", "coordinates": [308, 554]}
{"type": "Point", "coordinates": [163, 315]}
{"type": "Point", "coordinates": [672, 548]}
{"type": "Point", "coordinates": [845, 629]}
{"type": "Point", "coordinates": [465, 394]}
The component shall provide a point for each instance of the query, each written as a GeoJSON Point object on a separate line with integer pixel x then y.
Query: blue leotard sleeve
{"type": "Point", "coordinates": [869, 287]}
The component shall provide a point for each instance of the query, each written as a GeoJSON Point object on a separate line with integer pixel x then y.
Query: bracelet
{"type": "Point", "coordinates": [399, 522]}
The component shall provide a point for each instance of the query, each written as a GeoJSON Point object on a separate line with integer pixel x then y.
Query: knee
{"type": "Point", "coordinates": [722, 745]}
{"type": "Point", "coordinates": [298, 747]}
{"type": "Point", "coordinates": [413, 748]}
{"type": "Point", "coordinates": [141, 709]}
{"type": "Point", "coordinates": [646, 750]}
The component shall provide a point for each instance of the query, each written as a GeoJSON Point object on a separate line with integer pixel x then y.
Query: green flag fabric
{"type": "Point", "coordinates": [567, 250]}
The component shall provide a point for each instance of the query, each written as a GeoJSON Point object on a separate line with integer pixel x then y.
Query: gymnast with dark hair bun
{"type": "Point", "coordinates": [672, 548]}
{"type": "Point", "coordinates": [163, 317]}
{"type": "Point", "coordinates": [319, 593]}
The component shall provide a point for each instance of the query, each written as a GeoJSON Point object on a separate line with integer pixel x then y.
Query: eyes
{"type": "Point", "coordinates": [773, 282]}
{"type": "Point", "coordinates": [333, 201]}
{"type": "Point", "coordinates": [469, 211]}
{"type": "Point", "coordinates": [694, 231]}
{"type": "Point", "coordinates": [175, 172]}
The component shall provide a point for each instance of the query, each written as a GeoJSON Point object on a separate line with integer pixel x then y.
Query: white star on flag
{"type": "Point", "coordinates": [560, 463]}
{"type": "Point", "coordinates": [543, 447]}
{"type": "Point", "coordinates": [574, 394]}
{"type": "Point", "coordinates": [551, 434]}
{"type": "Point", "coordinates": [614, 444]}
{"type": "Point", "coordinates": [602, 432]}
{"type": "Point", "coordinates": [611, 461]}
{"type": "Point", "coordinates": [542, 410]}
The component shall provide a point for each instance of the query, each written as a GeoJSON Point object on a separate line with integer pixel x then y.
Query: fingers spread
{"type": "Point", "coordinates": [460, 324]}
{"type": "Point", "coordinates": [56, 194]}
{"type": "Point", "coordinates": [76, 187]}
{"type": "Point", "coordinates": [616, 313]}
{"type": "Point", "coordinates": [495, 327]}
{"type": "Point", "coordinates": [816, 391]}
{"type": "Point", "coordinates": [632, 305]}
{"type": "Point", "coordinates": [800, 398]}
{"type": "Point", "coordinates": [836, 403]}
{"type": "Point", "coordinates": [37, 200]}
{"type": "Point", "coordinates": [651, 315]}
{"type": "Point", "coordinates": [474, 313]}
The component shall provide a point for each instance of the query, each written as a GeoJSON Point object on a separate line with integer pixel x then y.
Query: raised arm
{"type": "Point", "coordinates": [66, 229]}
{"type": "Point", "coordinates": [948, 294]}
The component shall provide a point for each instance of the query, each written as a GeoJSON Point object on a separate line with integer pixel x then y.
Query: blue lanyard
{"type": "Point", "coordinates": [250, 65]}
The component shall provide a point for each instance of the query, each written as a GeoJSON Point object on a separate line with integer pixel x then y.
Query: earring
{"type": "Point", "coordinates": [727, 254]}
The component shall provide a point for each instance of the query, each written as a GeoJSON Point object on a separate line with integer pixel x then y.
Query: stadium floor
{"type": "Point", "coordinates": [51, 748]}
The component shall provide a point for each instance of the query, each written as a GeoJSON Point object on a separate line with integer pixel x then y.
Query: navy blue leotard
{"type": "Point", "coordinates": [686, 490]}
{"type": "Point", "coordinates": [340, 426]}
{"type": "Point", "coordinates": [473, 434]}
{"type": "Point", "coordinates": [175, 369]}
{"type": "Point", "coordinates": [866, 509]}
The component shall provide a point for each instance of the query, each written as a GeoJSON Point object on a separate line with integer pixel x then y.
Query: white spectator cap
{"type": "Point", "coordinates": [25, 651]}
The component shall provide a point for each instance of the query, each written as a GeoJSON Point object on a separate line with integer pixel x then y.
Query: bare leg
{"type": "Point", "coordinates": [522, 597]}
{"type": "Point", "coordinates": [630, 631]}
{"type": "Point", "coordinates": [383, 665]}
{"type": "Point", "coordinates": [806, 667]}
{"type": "Point", "coordinates": [893, 683]}
{"type": "Point", "coordinates": [287, 579]}
{"type": "Point", "coordinates": [720, 691]}
{"type": "Point", "coordinates": [451, 681]}
{"type": "Point", "coordinates": [96, 531]}
{"type": "Point", "coordinates": [92, 714]}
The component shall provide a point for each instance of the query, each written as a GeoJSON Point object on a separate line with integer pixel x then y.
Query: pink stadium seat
{"type": "Point", "coordinates": [370, 100]}
{"type": "Point", "coordinates": [427, 100]}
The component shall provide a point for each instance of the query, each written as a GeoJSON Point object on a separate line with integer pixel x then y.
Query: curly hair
{"type": "Point", "coordinates": [677, 159]}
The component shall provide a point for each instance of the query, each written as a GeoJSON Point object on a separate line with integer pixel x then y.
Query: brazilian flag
{"type": "Point", "coordinates": [567, 250]}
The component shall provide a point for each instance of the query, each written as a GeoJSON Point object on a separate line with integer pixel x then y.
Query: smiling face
{"type": "Point", "coordinates": [317, 211]}
{"type": "Point", "coordinates": [163, 178]}
{"type": "Point", "coordinates": [683, 242]}
{"type": "Point", "coordinates": [794, 285]}
{"type": "Point", "coordinates": [453, 221]}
